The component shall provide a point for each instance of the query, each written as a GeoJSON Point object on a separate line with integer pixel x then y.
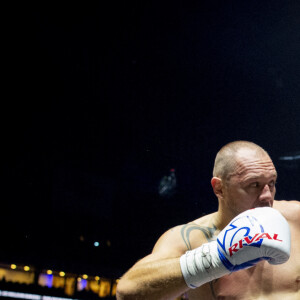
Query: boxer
{"type": "Point", "coordinates": [248, 249]}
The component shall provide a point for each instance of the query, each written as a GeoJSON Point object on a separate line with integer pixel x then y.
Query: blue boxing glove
{"type": "Point", "coordinates": [254, 235]}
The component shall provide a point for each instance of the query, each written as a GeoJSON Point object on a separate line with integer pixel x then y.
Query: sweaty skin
{"type": "Point", "coordinates": [263, 281]}
{"type": "Point", "coordinates": [250, 184]}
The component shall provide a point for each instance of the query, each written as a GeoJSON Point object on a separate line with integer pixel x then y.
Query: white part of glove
{"type": "Point", "coordinates": [254, 235]}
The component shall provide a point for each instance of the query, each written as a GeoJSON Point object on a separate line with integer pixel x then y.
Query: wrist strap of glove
{"type": "Point", "coordinates": [202, 265]}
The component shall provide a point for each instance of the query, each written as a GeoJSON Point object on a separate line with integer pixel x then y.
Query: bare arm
{"type": "Point", "coordinates": [153, 279]}
{"type": "Point", "coordinates": [158, 275]}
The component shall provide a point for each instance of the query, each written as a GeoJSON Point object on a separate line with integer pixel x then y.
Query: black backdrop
{"type": "Point", "coordinates": [101, 100]}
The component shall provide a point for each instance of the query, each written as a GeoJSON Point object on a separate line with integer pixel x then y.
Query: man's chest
{"type": "Point", "coordinates": [259, 282]}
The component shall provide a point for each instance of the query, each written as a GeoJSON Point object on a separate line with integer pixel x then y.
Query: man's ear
{"type": "Point", "coordinates": [217, 186]}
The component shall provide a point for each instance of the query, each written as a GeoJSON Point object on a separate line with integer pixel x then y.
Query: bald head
{"type": "Point", "coordinates": [227, 157]}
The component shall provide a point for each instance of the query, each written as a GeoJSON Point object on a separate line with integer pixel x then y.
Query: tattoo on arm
{"type": "Point", "coordinates": [209, 235]}
{"type": "Point", "coordinates": [188, 228]}
{"type": "Point", "coordinates": [211, 284]}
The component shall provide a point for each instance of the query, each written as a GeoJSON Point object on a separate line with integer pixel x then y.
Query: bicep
{"type": "Point", "coordinates": [176, 241]}
{"type": "Point", "coordinates": [166, 247]}
{"type": "Point", "coordinates": [170, 244]}
{"type": "Point", "coordinates": [180, 239]}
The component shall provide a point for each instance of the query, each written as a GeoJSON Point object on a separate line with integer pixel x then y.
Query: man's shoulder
{"type": "Point", "coordinates": [199, 231]}
{"type": "Point", "coordinates": [185, 237]}
{"type": "Point", "coordinates": [289, 209]}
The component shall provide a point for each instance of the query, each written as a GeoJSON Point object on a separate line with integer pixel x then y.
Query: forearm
{"type": "Point", "coordinates": [152, 280]}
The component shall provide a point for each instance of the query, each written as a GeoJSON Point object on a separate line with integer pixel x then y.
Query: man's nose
{"type": "Point", "coordinates": [266, 194]}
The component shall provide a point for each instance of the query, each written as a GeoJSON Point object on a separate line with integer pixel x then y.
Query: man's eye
{"type": "Point", "coordinates": [254, 184]}
{"type": "Point", "coordinates": [272, 183]}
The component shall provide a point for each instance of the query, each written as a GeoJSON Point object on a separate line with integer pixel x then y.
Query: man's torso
{"type": "Point", "coordinates": [264, 281]}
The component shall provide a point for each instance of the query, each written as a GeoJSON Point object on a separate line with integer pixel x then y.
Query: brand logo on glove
{"type": "Point", "coordinates": [256, 240]}
{"type": "Point", "coordinates": [244, 231]}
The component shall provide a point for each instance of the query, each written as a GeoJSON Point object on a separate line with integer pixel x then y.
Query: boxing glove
{"type": "Point", "coordinates": [254, 235]}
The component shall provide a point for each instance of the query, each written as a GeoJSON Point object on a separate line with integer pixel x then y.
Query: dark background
{"type": "Point", "coordinates": [100, 101]}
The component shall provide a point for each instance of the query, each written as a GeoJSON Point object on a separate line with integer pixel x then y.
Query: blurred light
{"type": "Point", "coordinates": [84, 276]}
{"type": "Point", "coordinates": [18, 295]}
{"type": "Point", "coordinates": [108, 243]}
{"type": "Point", "coordinates": [81, 284]}
{"type": "Point", "coordinates": [26, 268]}
{"type": "Point", "coordinates": [167, 185]}
{"type": "Point", "coordinates": [49, 280]}
{"type": "Point", "coordinates": [96, 244]}
{"type": "Point", "coordinates": [295, 157]}
{"type": "Point", "coordinates": [291, 156]}
{"type": "Point", "coordinates": [78, 279]}
{"type": "Point", "coordinates": [97, 278]}
{"type": "Point", "coordinates": [13, 266]}
{"type": "Point", "coordinates": [62, 274]}
{"type": "Point", "coordinates": [49, 272]}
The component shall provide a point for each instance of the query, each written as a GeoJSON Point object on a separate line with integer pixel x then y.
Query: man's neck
{"type": "Point", "coordinates": [222, 218]}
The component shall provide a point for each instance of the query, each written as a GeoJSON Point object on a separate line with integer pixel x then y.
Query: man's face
{"type": "Point", "coordinates": [252, 183]}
